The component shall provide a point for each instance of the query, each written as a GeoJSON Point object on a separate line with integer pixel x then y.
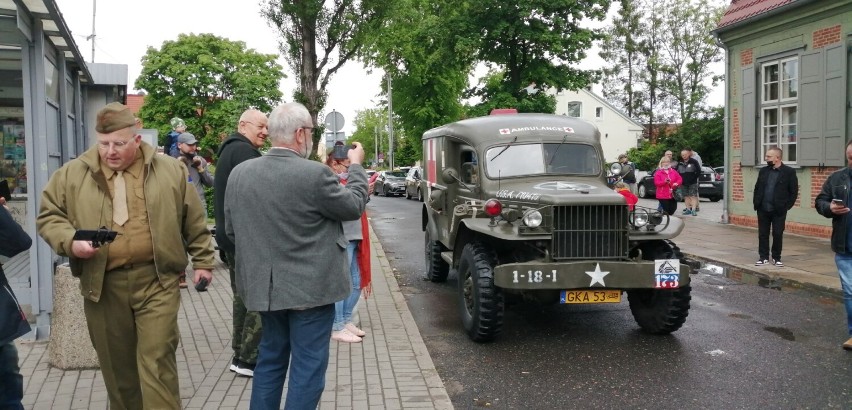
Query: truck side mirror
{"type": "Point", "coordinates": [449, 176]}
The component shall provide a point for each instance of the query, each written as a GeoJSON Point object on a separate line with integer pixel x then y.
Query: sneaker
{"type": "Point", "coordinates": [182, 280]}
{"type": "Point", "coordinates": [779, 264]}
{"type": "Point", "coordinates": [354, 330]}
{"type": "Point", "coordinates": [234, 364]}
{"type": "Point", "coordinates": [694, 213]}
{"type": "Point", "coordinates": [686, 211]}
{"type": "Point", "coordinates": [245, 369]}
{"type": "Point", "coordinates": [761, 262]}
{"type": "Point", "coordinates": [848, 344]}
{"type": "Point", "coordinates": [345, 336]}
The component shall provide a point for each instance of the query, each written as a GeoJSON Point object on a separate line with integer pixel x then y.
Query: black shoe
{"type": "Point", "coordinates": [243, 369]}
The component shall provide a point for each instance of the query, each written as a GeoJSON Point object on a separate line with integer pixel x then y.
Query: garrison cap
{"type": "Point", "coordinates": [115, 116]}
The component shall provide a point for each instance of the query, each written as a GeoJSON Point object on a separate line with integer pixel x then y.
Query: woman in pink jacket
{"type": "Point", "coordinates": [667, 180]}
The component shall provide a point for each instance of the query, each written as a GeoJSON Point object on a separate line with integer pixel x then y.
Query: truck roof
{"type": "Point", "coordinates": [526, 127]}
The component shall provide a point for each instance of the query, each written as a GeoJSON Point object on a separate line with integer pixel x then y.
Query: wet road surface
{"type": "Point", "coordinates": [743, 345]}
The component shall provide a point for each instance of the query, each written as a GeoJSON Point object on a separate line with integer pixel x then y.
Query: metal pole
{"type": "Point", "coordinates": [390, 122]}
{"type": "Point", "coordinates": [376, 160]}
{"type": "Point", "coordinates": [94, 9]}
{"type": "Point", "coordinates": [334, 126]}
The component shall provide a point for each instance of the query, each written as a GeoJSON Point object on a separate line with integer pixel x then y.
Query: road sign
{"type": "Point", "coordinates": [334, 121]}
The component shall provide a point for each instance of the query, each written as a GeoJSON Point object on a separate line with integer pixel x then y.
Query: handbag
{"type": "Point", "coordinates": [13, 321]}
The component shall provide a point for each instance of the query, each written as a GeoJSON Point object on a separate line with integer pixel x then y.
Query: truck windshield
{"type": "Point", "coordinates": [549, 158]}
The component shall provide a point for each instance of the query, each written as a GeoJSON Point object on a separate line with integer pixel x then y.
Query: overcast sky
{"type": "Point", "coordinates": [125, 29]}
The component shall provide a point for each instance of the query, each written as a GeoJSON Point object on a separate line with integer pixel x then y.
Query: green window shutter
{"type": "Point", "coordinates": [811, 109]}
{"type": "Point", "coordinates": [834, 133]}
{"type": "Point", "coordinates": [748, 99]}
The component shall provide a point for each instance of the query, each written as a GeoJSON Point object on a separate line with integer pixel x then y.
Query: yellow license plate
{"type": "Point", "coordinates": [590, 296]}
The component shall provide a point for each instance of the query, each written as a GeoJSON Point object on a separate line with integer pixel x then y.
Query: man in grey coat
{"type": "Point", "coordinates": [283, 213]}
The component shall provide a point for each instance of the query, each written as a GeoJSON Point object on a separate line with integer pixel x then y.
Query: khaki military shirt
{"type": "Point", "coordinates": [133, 244]}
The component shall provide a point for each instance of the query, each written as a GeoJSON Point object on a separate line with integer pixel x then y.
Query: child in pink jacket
{"type": "Point", "coordinates": [666, 179]}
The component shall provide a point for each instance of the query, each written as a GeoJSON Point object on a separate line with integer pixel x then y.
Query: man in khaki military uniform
{"type": "Point", "coordinates": [131, 285]}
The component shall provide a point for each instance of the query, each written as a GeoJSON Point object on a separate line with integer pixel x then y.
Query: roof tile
{"type": "Point", "coordinates": [740, 10]}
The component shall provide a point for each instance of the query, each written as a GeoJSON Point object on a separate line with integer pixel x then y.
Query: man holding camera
{"type": "Point", "coordinates": [199, 176]}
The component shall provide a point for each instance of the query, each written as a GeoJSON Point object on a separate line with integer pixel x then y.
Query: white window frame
{"type": "Point", "coordinates": [578, 104]}
{"type": "Point", "coordinates": [777, 105]}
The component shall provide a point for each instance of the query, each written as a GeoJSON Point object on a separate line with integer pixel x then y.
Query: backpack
{"type": "Point", "coordinates": [171, 144]}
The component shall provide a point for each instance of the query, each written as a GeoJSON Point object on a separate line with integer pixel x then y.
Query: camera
{"type": "Point", "coordinates": [341, 151]}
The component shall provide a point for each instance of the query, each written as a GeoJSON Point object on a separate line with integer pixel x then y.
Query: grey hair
{"type": "Point", "coordinates": [285, 119]}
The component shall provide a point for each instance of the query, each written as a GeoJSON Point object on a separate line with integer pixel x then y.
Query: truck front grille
{"type": "Point", "coordinates": [590, 232]}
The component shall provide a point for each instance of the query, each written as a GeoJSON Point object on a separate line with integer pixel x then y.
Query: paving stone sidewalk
{"type": "Point", "coordinates": [391, 369]}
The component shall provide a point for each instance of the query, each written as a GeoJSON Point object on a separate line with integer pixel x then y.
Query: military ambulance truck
{"type": "Point", "coordinates": [518, 207]}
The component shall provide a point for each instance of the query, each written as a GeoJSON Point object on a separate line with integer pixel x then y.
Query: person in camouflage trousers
{"type": "Point", "coordinates": [239, 147]}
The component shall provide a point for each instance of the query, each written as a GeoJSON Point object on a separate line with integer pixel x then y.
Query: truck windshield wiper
{"type": "Point", "coordinates": [504, 148]}
{"type": "Point", "coordinates": [564, 139]}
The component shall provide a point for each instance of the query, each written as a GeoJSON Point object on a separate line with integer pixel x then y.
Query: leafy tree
{"type": "Point", "coordinates": [689, 50]}
{"type": "Point", "coordinates": [318, 37]}
{"type": "Point", "coordinates": [537, 42]}
{"type": "Point", "coordinates": [371, 127]}
{"type": "Point", "coordinates": [497, 97]}
{"type": "Point", "coordinates": [704, 134]}
{"type": "Point", "coordinates": [425, 51]}
{"type": "Point", "coordinates": [622, 50]}
{"type": "Point", "coordinates": [670, 42]}
{"type": "Point", "coordinates": [208, 81]}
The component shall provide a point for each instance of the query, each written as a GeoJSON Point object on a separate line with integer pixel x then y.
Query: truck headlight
{"type": "Point", "coordinates": [532, 218]}
{"type": "Point", "coordinates": [639, 218]}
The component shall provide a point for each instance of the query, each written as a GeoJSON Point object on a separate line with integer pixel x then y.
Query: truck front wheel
{"type": "Point", "coordinates": [481, 302]}
{"type": "Point", "coordinates": [436, 268]}
{"type": "Point", "coordinates": [660, 311]}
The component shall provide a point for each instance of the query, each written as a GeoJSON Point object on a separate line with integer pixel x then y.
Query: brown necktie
{"type": "Point", "coordinates": [119, 201]}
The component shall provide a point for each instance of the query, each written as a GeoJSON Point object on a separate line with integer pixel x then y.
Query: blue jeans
{"type": "Point", "coordinates": [11, 381]}
{"type": "Point", "coordinates": [303, 335]}
{"type": "Point", "coordinates": [844, 267]}
{"type": "Point", "coordinates": [343, 309]}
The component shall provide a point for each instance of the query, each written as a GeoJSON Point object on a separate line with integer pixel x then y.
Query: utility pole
{"type": "Point", "coordinates": [390, 122]}
{"type": "Point", "coordinates": [92, 37]}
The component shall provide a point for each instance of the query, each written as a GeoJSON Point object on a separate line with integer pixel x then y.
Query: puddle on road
{"type": "Point", "coordinates": [739, 276]}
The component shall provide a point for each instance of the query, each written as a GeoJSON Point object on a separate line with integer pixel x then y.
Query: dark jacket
{"type": "Point", "coordinates": [13, 240]}
{"type": "Point", "coordinates": [786, 188]}
{"type": "Point", "coordinates": [822, 204]}
{"type": "Point", "coordinates": [689, 170]}
{"type": "Point", "coordinates": [233, 151]}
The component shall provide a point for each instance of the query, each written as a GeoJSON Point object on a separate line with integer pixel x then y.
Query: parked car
{"type": "Point", "coordinates": [720, 171]}
{"type": "Point", "coordinates": [390, 183]}
{"type": "Point", "coordinates": [412, 183]}
{"type": "Point", "coordinates": [709, 186]}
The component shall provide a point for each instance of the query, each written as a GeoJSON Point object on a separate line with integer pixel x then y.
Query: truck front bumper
{"type": "Point", "coordinates": [659, 274]}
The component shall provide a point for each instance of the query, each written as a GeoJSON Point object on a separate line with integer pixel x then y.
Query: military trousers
{"type": "Point", "coordinates": [135, 333]}
{"type": "Point", "coordinates": [247, 328]}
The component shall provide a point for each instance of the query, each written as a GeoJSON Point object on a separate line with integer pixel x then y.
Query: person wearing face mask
{"type": "Point", "coordinates": [775, 193]}
{"type": "Point", "coordinates": [283, 213]}
{"type": "Point", "coordinates": [666, 179]}
{"type": "Point", "coordinates": [357, 259]}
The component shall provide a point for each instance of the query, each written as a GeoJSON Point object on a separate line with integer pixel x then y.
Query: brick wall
{"type": "Point", "coordinates": [736, 143]}
{"type": "Point", "coordinates": [826, 36]}
{"type": "Point", "coordinates": [747, 56]}
{"type": "Point", "coordinates": [737, 178]}
{"type": "Point", "coordinates": [817, 231]}
{"type": "Point", "coordinates": [818, 178]}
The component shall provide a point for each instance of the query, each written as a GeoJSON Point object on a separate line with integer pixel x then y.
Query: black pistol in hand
{"type": "Point", "coordinates": [97, 237]}
{"type": "Point", "coordinates": [201, 286]}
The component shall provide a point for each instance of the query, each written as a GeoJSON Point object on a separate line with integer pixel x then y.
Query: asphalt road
{"type": "Point", "coordinates": [743, 346]}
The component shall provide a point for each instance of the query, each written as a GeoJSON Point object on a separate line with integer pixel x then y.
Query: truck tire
{"type": "Point", "coordinates": [480, 301]}
{"type": "Point", "coordinates": [660, 311]}
{"type": "Point", "coordinates": [436, 268]}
